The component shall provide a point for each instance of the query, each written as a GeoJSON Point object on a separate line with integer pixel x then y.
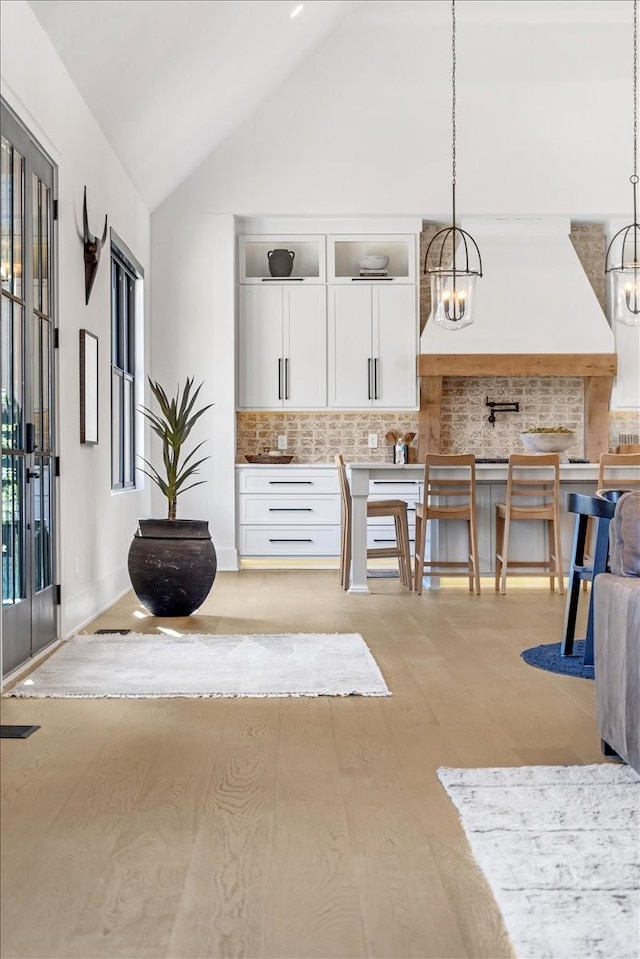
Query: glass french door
{"type": "Point", "coordinates": [27, 326]}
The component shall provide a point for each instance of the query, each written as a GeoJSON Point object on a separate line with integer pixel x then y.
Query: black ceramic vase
{"type": "Point", "coordinates": [172, 565]}
{"type": "Point", "coordinates": [281, 262]}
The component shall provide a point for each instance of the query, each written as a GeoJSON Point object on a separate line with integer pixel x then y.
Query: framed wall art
{"type": "Point", "coordinates": [88, 387]}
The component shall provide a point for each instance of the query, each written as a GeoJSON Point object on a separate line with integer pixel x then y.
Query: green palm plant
{"type": "Point", "coordinates": [173, 424]}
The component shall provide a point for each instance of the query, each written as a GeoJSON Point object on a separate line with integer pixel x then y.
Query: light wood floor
{"type": "Point", "coordinates": [284, 827]}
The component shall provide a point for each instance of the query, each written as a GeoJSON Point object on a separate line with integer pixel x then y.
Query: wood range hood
{"type": "Point", "coordinates": [597, 370]}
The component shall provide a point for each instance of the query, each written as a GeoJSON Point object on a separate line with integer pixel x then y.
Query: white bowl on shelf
{"type": "Point", "coordinates": [548, 442]}
{"type": "Point", "coordinates": [373, 261]}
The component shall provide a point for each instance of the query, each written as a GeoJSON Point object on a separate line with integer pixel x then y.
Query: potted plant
{"type": "Point", "coordinates": [172, 562]}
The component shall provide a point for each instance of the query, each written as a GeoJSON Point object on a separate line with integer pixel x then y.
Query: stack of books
{"type": "Point", "coordinates": [374, 273]}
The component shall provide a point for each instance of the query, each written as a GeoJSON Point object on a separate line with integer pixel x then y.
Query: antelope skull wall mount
{"type": "Point", "coordinates": [92, 249]}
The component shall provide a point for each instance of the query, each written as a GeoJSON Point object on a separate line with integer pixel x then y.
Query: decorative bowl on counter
{"type": "Point", "coordinates": [278, 459]}
{"type": "Point", "coordinates": [548, 440]}
{"type": "Point", "coordinates": [373, 262]}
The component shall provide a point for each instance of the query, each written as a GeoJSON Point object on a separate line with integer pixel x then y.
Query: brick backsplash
{"type": "Point", "coordinates": [544, 401]}
{"type": "Point", "coordinates": [317, 437]}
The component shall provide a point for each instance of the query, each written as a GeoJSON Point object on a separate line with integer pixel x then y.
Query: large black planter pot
{"type": "Point", "coordinates": [172, 565]}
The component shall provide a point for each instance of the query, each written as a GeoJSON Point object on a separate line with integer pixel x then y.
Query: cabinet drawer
{"type": "Point", "coordinates": [290, 510]}
{"type": "Point", "coordinates": [278, 479]}
{"type": "Point", "coordinates": [386, 521]}
{"type": "Point", "coordinates": [380, 536]}
{"type": "Point", "coordinates": [395, 489]}
{"type": "Point", "coordinates": [289, 541]}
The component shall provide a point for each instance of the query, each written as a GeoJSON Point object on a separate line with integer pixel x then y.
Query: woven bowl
{"type": "Point", "coordinates": [373, 262]}
{"type": "Point", "coordinates": [269, 458]}
{"type": "Point", "coordinates": [548, 442]}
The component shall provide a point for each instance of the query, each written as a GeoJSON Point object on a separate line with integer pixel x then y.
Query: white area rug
{"type": "Point", "coordinates": [151, 666]}
{"type": "Point", "coordinates": [560, 847]}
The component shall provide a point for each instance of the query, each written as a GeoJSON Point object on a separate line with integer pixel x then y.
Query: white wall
{"type": "Point", "coordinates": [362, 128]}
{"type": "Point", "coordinates": [96, 525]}
{"type": "Point", "coordinates": [193, 320]}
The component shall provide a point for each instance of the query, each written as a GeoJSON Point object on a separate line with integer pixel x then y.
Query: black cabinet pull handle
{"type": "Point", "coordinates": [369, 378]}
{"type": "Point", "coordinates": [375, 378]}
{"type": "Point", "coordinates": [286, 378]}
{"type": "Point", "coordinates": [395, 482]}
{"type": "Point", "coordinates": [290, 509]}
{"type": "Point", "coordinates": [280, 379]}
{"type": "Point", "coordinates": [290, 540]}
{"type": "Point", "coordinates": [290, 482]}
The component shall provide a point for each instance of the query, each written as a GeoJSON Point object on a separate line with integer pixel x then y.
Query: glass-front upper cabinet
{"type": "Point", "coordinates": [382, 259]}
{"type": "Point", "coordinates": [281, 259]}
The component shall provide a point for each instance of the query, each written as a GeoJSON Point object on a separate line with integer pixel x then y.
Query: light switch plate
{"type": "Point", "coordinates": [282, 442]}
{"type": "Point", "coordinates": [373, 441]}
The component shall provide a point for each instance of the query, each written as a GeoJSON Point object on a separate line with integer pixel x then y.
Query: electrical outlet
{"type": "Point", "coordinates": [373, 441]}
{"type": "Point", "coordinates": [282, 442]}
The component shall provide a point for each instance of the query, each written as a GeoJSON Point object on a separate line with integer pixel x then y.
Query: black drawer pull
{"type": "Point", "coordinates": [290, 482]}
{"type": "Point", "coordinates": [395, 482]}
{"type": "Point", "coordinates": [290, 509]}
{"type": "Point", "coordinates": [290, 540]}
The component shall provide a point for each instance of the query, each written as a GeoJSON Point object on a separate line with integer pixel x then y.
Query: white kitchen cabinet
{"type": "Point", "coordinates": [282, 345]}
{"type": "Point", "coordinates": [308, 260]}
{"type": "Point", "coordinates": [372, 331]}
{"type": "Point", "coordinates": [288, 511]}
{"type": "Point", "coordinates": [345, 253]}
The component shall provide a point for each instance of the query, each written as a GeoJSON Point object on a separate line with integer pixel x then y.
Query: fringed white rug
{"type": "Point", "coordinates": [151, 666]}
{"type": "Point", "coordinates": [560, 847]}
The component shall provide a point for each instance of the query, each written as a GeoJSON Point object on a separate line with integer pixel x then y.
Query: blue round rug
{"type": "Point", "coordinates": [548, 657]}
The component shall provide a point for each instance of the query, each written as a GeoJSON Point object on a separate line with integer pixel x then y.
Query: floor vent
{"type": "Point", "coordinates": [17, 732]}
{"type": "Point", "coordinates": [105, 632]}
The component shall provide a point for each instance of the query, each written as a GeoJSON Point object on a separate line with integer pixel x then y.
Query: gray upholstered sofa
{"type": "Point", "coordinates": [617, 636]}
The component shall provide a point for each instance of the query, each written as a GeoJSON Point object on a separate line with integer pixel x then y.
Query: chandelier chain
{"type": "Point", "coordinates": [453, 92]}
{"type": "Point", "coordinates": [635, 88]}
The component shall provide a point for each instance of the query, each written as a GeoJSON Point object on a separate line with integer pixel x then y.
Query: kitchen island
{"type": "Point", "coordinates": [448, 540]}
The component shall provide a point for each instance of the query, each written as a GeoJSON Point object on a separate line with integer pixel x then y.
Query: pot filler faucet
{"type": "Point", "coordinates": [500, 408]}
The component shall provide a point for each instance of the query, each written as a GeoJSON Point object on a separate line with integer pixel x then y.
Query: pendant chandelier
{"type": "Point", "coordinates": [456, 257]}
{"type": "Point", "coordinates": [623, 254]}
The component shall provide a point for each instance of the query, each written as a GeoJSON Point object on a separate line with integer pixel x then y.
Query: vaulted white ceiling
{"type": "Point", "coordinates": [168, 80]}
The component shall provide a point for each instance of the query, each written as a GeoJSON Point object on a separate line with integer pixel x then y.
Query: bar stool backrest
{"type": "Point", "coordinates": [461, 491]}
{"type": "Point", "coordinates": [610, 463]}
{"type": "Point", "coordinates": [345, 492]}
{"type": "Point", "coordinates": [544, 488]}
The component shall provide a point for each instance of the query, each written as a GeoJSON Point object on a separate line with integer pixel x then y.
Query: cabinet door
{"type": "Point", "coordinates": [260, 376]}
{"type": "Point", "coordinates": [395, 346]}
{"type": "Point", "coordinates": [305, 347]}
{"type": "Point", "coordinates": [350, 348]}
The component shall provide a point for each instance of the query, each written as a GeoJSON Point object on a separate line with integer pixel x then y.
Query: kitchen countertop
{"type": "Point", "coordinates": [485, 472]}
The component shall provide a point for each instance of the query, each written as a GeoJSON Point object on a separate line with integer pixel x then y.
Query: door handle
{"type": "Point", "coordinates": [369, 378]}
{"type": "Point", "coordinates": [30, 437]}
{"type": "Point", "coordinates": [32, 474]}
{"type": "Point", "coordinates": [286, 378]}
{"type": "Point", "coordinates": [280, 379]}
{"type": "Point", "coordinates": [375, 378]}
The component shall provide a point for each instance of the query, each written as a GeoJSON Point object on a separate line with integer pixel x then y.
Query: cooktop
{"type": "Point", "coordinates": [504, 459]}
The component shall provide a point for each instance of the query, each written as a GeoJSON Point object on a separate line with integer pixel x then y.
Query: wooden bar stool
{"type": "Point", "coordinates": [395, 508]}
{"type": "Point", "coordinates": [609, 479]}
{"type": "Point", "coordinates": [444, 499]}
{"type": "Point", "coordinates": [545, 491]}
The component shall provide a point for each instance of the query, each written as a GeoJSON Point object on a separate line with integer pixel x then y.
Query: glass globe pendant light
{"type": "Point", "coordinates": [623, 254]}
{"type": "Point", "coordinates": [456, 261]}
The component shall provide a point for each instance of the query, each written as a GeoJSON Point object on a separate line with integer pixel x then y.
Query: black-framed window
{"type": "Point", "coordinates": [125, 277]}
